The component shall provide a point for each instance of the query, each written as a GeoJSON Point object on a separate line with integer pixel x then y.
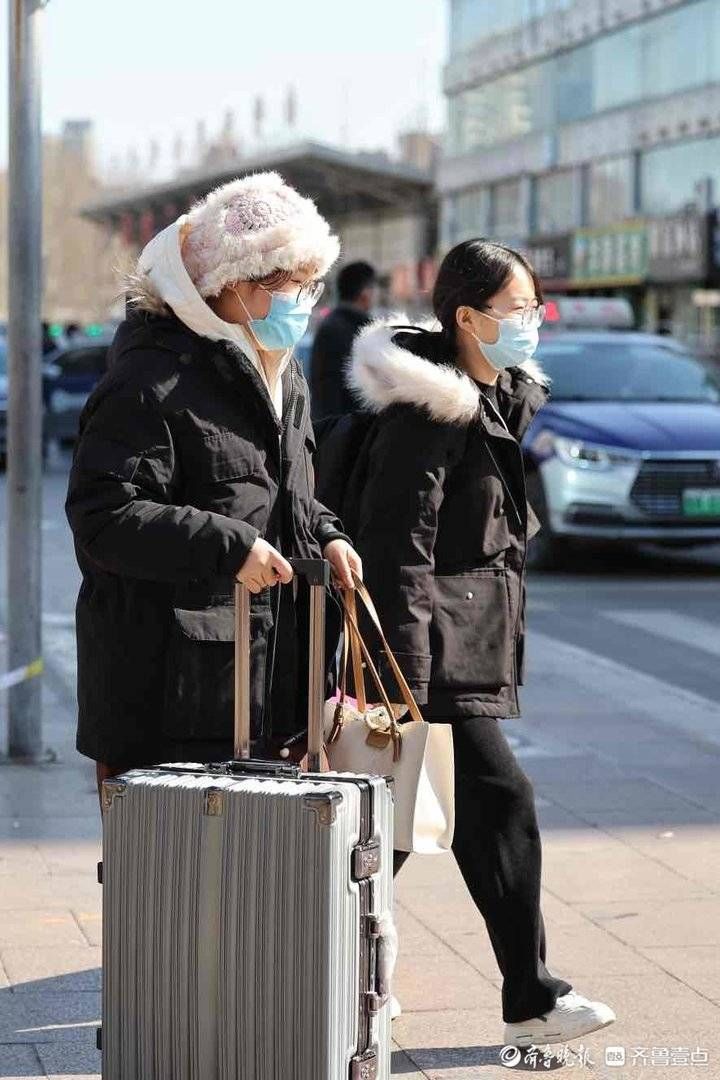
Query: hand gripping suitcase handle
{"type": "Point", "coordinates": [317, 574]}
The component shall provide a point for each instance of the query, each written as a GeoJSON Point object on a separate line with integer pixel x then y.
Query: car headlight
{"type": "Point", "coordinates": [579, 454]}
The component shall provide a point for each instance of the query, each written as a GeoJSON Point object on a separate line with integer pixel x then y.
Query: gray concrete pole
{"type": "Point", "coordinates": [24, 433]}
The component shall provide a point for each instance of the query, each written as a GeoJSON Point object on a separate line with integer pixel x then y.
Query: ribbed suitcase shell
{"type": "Point", "coordinates": [236, 938]}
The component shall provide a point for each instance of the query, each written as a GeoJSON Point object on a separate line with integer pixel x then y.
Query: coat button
{"type": "Point", "coordinates": [469, 596]}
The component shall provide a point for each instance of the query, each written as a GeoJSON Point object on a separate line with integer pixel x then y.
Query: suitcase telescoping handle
{"type": "Point", "coordinates": [317, 574]}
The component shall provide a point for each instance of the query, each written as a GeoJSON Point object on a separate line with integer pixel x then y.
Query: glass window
{"type": "Point", "coordinates": [474, 20]}
{"type": "Point", "coordinates": [670, 175]}
{"type": "Point", "coordinates": [611, 190]}
{"type": "Point", "coordinates": [556, 202]}
{"type": "Point", "coordinates": [473, 213]}
{"type": "Point", "coordinates": [659, 56]}
{"type": "Point", "coordinates": [625, 371]}
{"type": "Point", "coordinates": [509, 211]}
{"type": "Point", "coordinates": [614, 61]}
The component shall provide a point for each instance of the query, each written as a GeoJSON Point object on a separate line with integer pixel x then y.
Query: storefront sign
{"type": "Point", "coordinates": [713, 242]}
{"type": "Point", "coordinates": [677, 248]}
{"type": "Point", "coordinates": [550, 256]}
{"type": "Point", "coordinates": [616, 255]}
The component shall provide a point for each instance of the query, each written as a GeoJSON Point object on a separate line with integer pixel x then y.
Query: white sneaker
{"type": "Point", "coordinates": [395, 1008]}
{"type": "Point", "coordinates": [572, 1017]}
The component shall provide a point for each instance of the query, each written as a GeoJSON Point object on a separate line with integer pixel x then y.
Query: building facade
{"type": "Point", "coordinates": [78, 257]}
{"type": "Point", "coordinates": [587, 132]}
{"type": "Point", "coordinates": [382, 210]}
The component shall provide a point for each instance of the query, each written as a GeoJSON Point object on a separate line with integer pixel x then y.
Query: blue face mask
{"type": "Point", "coordinates": [515, 343]}
{"type": "Point", "coordinates": [284, 324]}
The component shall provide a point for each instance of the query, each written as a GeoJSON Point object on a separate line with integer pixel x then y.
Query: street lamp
{"type": "Point", "coordinates": [24, 431]}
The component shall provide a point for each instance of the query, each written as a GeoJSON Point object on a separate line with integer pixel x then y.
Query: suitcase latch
{"type": "Point", "coordinates": [213, 805]}
{"type": "Point", "coordinates": [365, 1066]}
{"type": "Point", "coordinates": [324, 804]}
{"type": "Point", "coordinates": [366, 860]}
{"type": "Point", "coordinates": [111, 789]}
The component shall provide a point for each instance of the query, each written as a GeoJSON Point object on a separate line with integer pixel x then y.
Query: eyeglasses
{"type": "Point", "coordinates": [307, 293]}
{"type": "Point", "coordinates": [532, 316]}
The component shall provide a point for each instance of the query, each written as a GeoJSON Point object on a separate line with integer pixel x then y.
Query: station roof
{"type": "Point", "coordinates": [340, 182]}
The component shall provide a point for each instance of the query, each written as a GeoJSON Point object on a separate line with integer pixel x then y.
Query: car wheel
{"type": "Point", "coordinates": [546, 550]}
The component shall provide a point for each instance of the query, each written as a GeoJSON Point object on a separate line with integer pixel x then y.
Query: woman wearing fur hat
{"type": "Point", "coordinates": [437, 505]}
{"type": "Point", "coordinates": [193, 467]}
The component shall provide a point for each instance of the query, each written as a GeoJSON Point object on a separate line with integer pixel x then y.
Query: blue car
{"type": "Point", "coordinates": [69, 375]}
{"type": "Point", "coordinates": [628, 447]}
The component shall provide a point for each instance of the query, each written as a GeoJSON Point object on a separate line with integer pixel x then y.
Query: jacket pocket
{"type": "Point", "coordinates": [200, 669]}
{"type": "Point", "coordinates": [222, 457]}
{"type": "Point", "coordinates": [471, 631]}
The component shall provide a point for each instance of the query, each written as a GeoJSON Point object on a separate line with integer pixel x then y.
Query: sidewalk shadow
{"type": "Point", "coordinates": [51, 1021]}
{"type": "Point", "coordinates": [458, 1057]}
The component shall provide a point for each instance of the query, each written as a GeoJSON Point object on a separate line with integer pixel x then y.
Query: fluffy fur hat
{"type": "Point", "coordinates": [250, 227]}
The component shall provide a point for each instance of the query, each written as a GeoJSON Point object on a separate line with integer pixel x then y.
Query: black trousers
{"type": "Point", "coordinates": [498, 850]}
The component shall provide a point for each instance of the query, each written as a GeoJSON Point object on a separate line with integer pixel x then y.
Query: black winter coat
{"type": "Point", "coordinates": [437, 508]}
{"type": "Point", "coordinates": [330, 353]}
{"type": "Point", "coordinates": [180, 465]}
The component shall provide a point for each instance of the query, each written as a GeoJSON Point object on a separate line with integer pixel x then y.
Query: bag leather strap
{"type": "Point", "coordinates": [407, 694]}
{"type": "Point", "coordinates": [395, 732]}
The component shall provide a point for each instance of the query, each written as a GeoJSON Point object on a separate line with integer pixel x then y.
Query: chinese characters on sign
{"type": "Point", "coordinates": [618, 254]}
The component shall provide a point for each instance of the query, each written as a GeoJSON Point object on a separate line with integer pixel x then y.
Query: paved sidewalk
{"type": "Point", "coordinates": [631, 903]}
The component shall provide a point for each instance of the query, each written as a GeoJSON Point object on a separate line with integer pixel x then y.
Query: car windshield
{"type": "Point", "coordinates": [625, 371]}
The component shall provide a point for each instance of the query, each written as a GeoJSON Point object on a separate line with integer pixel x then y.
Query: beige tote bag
{"type": "Point", "coordinates": [418, 755]}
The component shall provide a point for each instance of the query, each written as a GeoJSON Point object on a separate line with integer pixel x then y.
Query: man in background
{"type": "Point", "coordinates": [357, 287]}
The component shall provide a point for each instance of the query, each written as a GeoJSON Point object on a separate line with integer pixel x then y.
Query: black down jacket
{"type": "Point", "coordinates": [437, 508]}
{"type": "Point", "coordinates": [180, 465]}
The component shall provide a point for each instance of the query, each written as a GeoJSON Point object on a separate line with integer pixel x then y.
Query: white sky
{"type": "Point", "coordinates": [150, 69]}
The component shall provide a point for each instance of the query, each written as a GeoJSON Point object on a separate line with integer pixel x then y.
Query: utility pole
{"type": "Point", "coordinates": [24, 433]}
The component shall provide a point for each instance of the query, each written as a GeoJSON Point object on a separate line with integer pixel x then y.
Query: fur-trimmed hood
{"type": "Point", "coordinates": [382, 372]}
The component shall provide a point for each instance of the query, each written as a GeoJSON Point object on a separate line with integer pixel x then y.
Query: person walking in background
{"type": "Point", "coordinates": [357, 289]}
{"type": "Point", "coordinates": [436, 504]}
{"type": "Point", "coordinates": [193, 469]}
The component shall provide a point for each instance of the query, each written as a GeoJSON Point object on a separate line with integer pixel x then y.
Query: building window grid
{"type": "Point", "coordinates": [639, 62]}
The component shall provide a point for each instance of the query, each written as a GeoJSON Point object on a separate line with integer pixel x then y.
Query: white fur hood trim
{"type": "Point", "coordinates": [382, 373]}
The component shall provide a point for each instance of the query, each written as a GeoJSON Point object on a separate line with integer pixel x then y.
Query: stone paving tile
{"type": "Point", "coordinates": [656, 1011]}
{"type": "Point", "coordinates": [76, 969]}
{"type": "Point", "coordinates": [71, 856]}
{"type": "Point", "coordinates": [629, 795]}
{"type": "Point", "coordinates": [557, 912]}
{"type": "Point", "coordinates": [48, 891]}
{"type": "Point", "coordinates": [466, 1045]}
{"type": "Point", "coordinates": [20, 1060]}
{"type": "Point", "coordinates": [442, 984]}
{"type": "Point", "coordinates": [658, 922]}
{"type": "Point", "coordinates": [415, 938]}
{"type": "Point", "coordinates": [46, 1015]}
{"type": "Point", "coordinates": [696, 965]}
{"type": "Point", "coordinates": [598, 874]}
{"type": "Point", "coordinates": [20, 858]}
{"type": "Point", "coordinates": [691, 852]}
{"type": "Point", "coordinates": [77, 1060]}
{"type": "Point", "coordinates": [90, 923]}
{"type": "Point", "coordinates": [31, 927]}
{"type": "Point", "coordinates": [39, 829]}
{"type": "Point", "coordinates": [402, 1065]}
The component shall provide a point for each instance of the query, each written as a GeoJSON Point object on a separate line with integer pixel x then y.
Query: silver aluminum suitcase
{"type": "Point", "coordinates": [245, 909]}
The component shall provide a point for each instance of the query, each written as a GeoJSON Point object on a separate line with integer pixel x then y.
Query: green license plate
{"type": "Point", "coordinates": [701, 502]}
